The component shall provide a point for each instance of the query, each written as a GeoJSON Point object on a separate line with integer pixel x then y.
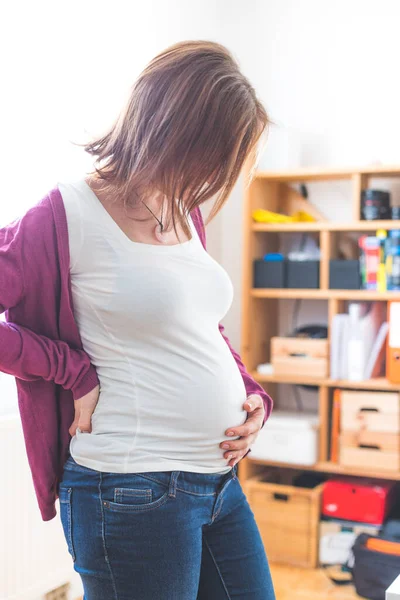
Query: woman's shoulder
{"type": "Point", "coordinates": [29, 250]}
{"type": "Point", "coordinates": [36, 221]}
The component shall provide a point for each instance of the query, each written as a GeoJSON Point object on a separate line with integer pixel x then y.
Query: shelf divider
{"type": "Point", "coordinates": [323, 410]}
{"type": "Point", "coordinates": [325, 249]}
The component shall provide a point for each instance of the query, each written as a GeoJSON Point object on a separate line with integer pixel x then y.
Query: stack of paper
{"type": "Point", "coordinates": [374, 330]}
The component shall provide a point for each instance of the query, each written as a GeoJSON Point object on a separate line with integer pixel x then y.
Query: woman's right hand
{"type": "Point", "coordinates": [84, 408]}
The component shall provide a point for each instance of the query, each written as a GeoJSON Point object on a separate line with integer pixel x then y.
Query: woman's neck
{"type": "Point", "coordinates": [136, 219]}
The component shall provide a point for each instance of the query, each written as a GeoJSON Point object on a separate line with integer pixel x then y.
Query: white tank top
{"type": "Point", "coordinates": [148, 317]}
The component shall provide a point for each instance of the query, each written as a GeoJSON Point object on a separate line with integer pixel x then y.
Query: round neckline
{"type": "Point", "coordinates": [130, 244]}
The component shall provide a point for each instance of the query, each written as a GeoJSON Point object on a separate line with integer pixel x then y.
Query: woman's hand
{"type": "Point", "coordinates": [84, 408]}
{"type": "Point", "coordinates": [236, 449]}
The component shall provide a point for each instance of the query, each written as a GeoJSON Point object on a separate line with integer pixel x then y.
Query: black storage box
{"type": "Point", "coordinates": [344, 275]}
{"type": "Point", "coordinates": [303, 274]}
{"type": "Point", "coordinates": [269, 273]}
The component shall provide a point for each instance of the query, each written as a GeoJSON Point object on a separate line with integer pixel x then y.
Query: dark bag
{"type": "Point", "coordinates": [373, 572]}
{"type": "Point", "coordinates": [391, 530]}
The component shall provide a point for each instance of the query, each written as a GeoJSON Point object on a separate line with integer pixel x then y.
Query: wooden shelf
{"type": "Point", "coordinates": [318, 294]}
{"type": "Point", "coordinates": [328, 467]}
{"type": "Point", "coordinates": [324, 226]}
{"type": "Point", "coordinates": [379, 383]}
{"type": "Point", "coordinates": [317, 174]}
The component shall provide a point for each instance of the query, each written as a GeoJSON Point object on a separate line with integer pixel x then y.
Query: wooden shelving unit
{"type": "Point", "coordinates": [271, 191]}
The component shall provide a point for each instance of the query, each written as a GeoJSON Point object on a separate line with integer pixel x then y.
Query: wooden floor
{"type": "Point", "coordinates": [307, 584]}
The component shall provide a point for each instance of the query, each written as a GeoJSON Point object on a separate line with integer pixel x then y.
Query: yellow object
{"type": "Point", "coordinates": [266, 216]}
{"type": "Point", "coordinates": [302, 216]}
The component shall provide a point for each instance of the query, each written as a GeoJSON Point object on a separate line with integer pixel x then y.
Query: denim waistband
{"type": "Point", "coordinates": [202, 483]}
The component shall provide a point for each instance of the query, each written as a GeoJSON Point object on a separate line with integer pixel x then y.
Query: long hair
{"type": "Point", "coordinates": [190, 123]}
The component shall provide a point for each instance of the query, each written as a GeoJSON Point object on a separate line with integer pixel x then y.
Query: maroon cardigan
{"type": "Point", "coordinates": [40, 343]}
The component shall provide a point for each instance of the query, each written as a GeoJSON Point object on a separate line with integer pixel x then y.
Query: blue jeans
{"type": "Point", "coordinates": [169, 535]}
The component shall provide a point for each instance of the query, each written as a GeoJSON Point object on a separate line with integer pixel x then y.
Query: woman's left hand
{"type": "Point", "coordinates": [236, 449]}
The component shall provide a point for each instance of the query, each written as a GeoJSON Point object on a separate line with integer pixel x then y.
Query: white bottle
{"type": "Point", "coordinates": [355, 350]}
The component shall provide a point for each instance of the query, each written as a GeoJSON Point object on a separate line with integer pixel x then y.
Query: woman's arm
{"type": "Point", "coordinates": [24, 353]}
{"type": "Point", "coordinates": [30, 356]}
{"type": "Point", "coordinates": [252, 387]}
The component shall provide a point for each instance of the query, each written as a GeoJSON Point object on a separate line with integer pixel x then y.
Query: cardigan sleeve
{"type": "Point", "coordinates": [252, 387]}
{"type": "Point", "coordinates": [24, 353]}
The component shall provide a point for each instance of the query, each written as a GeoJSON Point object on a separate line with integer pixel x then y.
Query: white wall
{"type": "Point", "coordinates": [68, 70]}
{"type": "Point", "coordinates": [327, 73]}
{"type": "Point", "coordinates": [327, 70]}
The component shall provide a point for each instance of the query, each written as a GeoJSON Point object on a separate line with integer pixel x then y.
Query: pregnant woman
{"type": "Point", "coordinates": [150, 501]}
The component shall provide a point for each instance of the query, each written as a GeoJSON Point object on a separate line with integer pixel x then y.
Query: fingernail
{"type": "Point", "coordinates": [249, 404]}
{"type": "Point", "coordinates": [225, 445]}
{"type": "Point", "coordinates": [229, 456]}
{"type": "Point", "coordinates": [230, 433]}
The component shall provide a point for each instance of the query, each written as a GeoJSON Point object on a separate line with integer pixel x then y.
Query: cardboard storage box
{"type": "Point", "coordinates": [300, 356]}
{"type": "Point", "coordinates": [288, 519]}
{"type": "Point", "coordinates": [370, 411]}
{"type": "Point", "coordinates": [370, 430]}
{"type": "Point", "coordinates": [288, 437]}
{"type": "Point", "coordinates": [370, 449]}
{"type": "Point", "coordinates": [364, 458]}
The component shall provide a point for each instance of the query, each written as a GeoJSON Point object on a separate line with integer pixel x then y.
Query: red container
{"type": "Point", "coordinates": [366, 501]}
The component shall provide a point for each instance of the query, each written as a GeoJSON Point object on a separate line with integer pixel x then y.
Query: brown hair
{"type": "Point", "coordinates": [190, 123]}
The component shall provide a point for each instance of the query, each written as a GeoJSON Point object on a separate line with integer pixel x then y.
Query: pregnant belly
{"type": "Point", "coordinates": [160, 413]}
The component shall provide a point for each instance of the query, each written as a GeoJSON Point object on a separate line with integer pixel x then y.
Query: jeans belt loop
{"type": "Point", "coordinates": [172, 484]}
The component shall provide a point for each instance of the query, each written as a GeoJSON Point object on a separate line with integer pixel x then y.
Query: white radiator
{"type": "Point", "coordinates": [33, 554]}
